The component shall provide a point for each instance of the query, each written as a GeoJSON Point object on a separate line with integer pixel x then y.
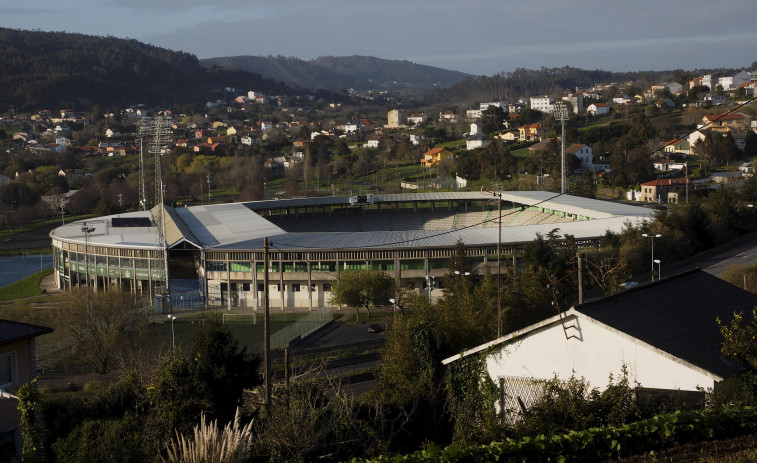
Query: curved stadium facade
{"type": "Point", "coordinates": [215, 252]}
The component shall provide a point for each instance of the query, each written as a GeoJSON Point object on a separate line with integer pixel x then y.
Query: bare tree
{"type": "Point", "coordinates": [98, 324]}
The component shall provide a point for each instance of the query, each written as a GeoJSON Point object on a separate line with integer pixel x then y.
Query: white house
{"type": "Point", "coordinates": [713, 99]}
{"type": "Point", "coordinates": [475, 129]}
{"type": "Point", "coordinates": [597, 109]}
{"type": "Point", "coordinates": [584, 154]}
{"type": "Point", "coordinates": [350, 127]}
{"type": "Point", "coordinates": [733, 82]}
{"type": "Point", "coordinates": [664, 333]}
{"type": "Point", "coordinates": [476, 141]}
{"type": "Point", "coordinates": [543, 103]}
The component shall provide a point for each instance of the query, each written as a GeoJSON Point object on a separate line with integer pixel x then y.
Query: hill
{"type": "Point", "coordinates": [361, 73]}
{"type": "Point", "coordinates": [50, 69]}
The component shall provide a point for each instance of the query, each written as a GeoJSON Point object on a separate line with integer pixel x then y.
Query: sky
{"type": "Point", "coordinates": [481, 37]}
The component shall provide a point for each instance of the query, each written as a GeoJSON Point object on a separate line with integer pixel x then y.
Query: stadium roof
{"type": "Point", "coordinates": [240, 226]}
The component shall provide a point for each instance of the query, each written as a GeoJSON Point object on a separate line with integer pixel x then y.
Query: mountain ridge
{"type": "Point", "coordinates": [334, 73]}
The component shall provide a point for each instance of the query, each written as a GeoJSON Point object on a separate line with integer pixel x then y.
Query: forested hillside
{"type": "Point", "coordinates": [45, 69]}
{"type": "Point", "coordinates": [509, 86]}
{"type": "Point", "coordinates": [337, 72]}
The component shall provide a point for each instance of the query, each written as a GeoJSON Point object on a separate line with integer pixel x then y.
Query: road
{"type": "Point", "coordinates": [33, 239]}
{"type": "Point", "coordinates": [741, 251]}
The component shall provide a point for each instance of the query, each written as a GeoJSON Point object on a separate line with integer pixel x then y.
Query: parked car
{"type": "Point", "coordinates": [375, 328]}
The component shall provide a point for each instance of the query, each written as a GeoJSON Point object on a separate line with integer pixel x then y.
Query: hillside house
{"type": "Point", "coordinates": [584, 154]}
{"type": "Point", "coordinates": [664, 190]}
{"type": "Point", "coordinates": [18, 365]}
{"type": "Point", "coordinates": [434, 156]}
{"type": "Point", "coordinates": [598, 109]}
{"type": "Point", "coordinates": [533, 132]}
{"type": "Point", "coordinates": [664, 334]}
{"type": "Point", "coordinates": [476, 141]}
{"type": "Point", "coordinates": [447, 115]}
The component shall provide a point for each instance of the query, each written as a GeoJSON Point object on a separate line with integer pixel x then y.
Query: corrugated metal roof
{"type": "Point", "coordinates": [238, 226]}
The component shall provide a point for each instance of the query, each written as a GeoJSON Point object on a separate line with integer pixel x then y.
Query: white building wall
{"type": "Point", "coordinates": [594, 352]}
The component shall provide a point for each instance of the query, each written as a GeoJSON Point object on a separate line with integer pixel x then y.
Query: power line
{"type": "Point", "coordinates": [556, 195]}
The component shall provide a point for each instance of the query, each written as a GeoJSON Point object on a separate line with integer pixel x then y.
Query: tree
{"type": "Point", "coordinates": [220, 363]}
{"type": "Point", "coordinates": [365, 289]}
{"type": "Point", "coordinates": [740, 338]}
{"type": "Point", "coordinates": [98, 323]}
{"type": "Point", "coordinates": [492, 119]}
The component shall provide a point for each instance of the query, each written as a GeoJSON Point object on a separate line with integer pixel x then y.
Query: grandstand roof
{"type": "Point", "coordinates": [239, 226]}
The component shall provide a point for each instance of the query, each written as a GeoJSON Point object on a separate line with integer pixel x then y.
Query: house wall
{"type": "Point", "coordinates": [593, 352]}
{"type": "Point", "coordinates": [22, 351]}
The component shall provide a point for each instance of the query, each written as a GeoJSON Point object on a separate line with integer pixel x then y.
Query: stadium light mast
{"type": "Point", "coordinates": [561, 113]}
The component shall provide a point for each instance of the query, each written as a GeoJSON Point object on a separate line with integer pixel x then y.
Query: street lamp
{"type": "Point", "coordinates": [173, 334]}
{"type": "Point", "coordinates": [429, 285]}
{"type": "Point", "coordinates": [645, 235]}
{"type": "Point", "coordinates": [394, 302]}
{"type": "Point", "coordinates": [457, 272]}
{"type": "Point", "coordinates": [86, 230]}
{"type": "Point", "coordinates": [659, 268]}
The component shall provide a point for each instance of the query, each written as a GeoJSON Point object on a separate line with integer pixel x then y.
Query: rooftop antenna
{"type": "Point", "coordinates": [561, 114]}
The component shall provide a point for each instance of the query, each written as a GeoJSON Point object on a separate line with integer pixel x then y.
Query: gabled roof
{"type": "Point", "coordinates": [11, 331]}
{"type": "Point", "coordinates": [573, 149]}
{"type": "Point", "coordinates": [668, 182]}
{"type": "Point", "coordinates": [677, 315]}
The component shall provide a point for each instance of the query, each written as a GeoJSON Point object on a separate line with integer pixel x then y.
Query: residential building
{"type": "Point", "coordinates": [664, 190]}
{"type": "Point", "coordinates": [17, 367]}
{"type": "Point", "coordinates": [597, 109]}
{"type": "Point", "coordinates": [434, 156]}
{"type": "Point", "coordinates": [576, 100]}
{"type": "Point", "coordinates": [664, 335]}
{"type": "Point", "coordinates": [712, 99]}
{"type": "Point", "coordinates": [679, 146]}
{"type": "Point", "coordinates": [584, 154]}
{"type": "Point", "coordinates": [416, 118]}
{"type": "Point", "coordinates": [543, 103]}
{"type": "Point", "coordinates": [734, 121]}
{"type": "Point", "coordinates": [476, 141]}
{"type": "Point", "coordinates": [533, 132]}
{"type": "Point", "coordinates": [475, 129]}
{"type": "Point", "coordinates": [447, 115]}
{"type": "Point", "coordinates": [396, 118]}
{"type": "Point", "coordinates": [732, 82]}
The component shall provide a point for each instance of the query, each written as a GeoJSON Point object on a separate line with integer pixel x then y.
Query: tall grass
{"type": "Point", "coordinates": [210, 444]}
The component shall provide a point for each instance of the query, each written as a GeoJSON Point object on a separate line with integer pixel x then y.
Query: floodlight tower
{"type": "Point", "coordinates": [561, 114]}
{"type": "Point", "coordinates": [160, 135]}
{"type": "Point", "coordinates": [143, 131]}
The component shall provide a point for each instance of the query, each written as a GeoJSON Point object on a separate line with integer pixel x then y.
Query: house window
{"type": "Point", "coordinates": [8, 370]}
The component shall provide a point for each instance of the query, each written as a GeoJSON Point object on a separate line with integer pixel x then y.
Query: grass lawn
{"type": "Point", "coordinates": [28, 287]}
{"type": "Point", "coordinates": [248, 333]}
{"type": "Point", "coordinates": [520, 153]}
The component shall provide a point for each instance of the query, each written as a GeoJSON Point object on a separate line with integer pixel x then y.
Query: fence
{"type": "Point", "coordinates": [297, 330]}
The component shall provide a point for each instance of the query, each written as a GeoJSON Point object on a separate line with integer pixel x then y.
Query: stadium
{"type": "Point", "coordinates": [213, 254]}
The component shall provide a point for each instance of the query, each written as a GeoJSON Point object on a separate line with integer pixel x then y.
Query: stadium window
{"type": "Point", "coordinates": [296, 287]}
{"type": "Point", "coordinates": [312, 287]}
{"type": "Point", "coordinates": [224, 287]}
{"type": "Point", "coordinates": [326, 287]}
{"type": "Point", "coordinates": [260, 287]}
{"type": "Point", "coordinates": [245, 286]}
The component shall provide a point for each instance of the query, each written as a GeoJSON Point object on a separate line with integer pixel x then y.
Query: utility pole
{"type": "Point", "coordinates": [580, 278]}
{"type": "Point", "coordinates": [266, 330]}
{"type": "Point", "coordinates": [208, 176]}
